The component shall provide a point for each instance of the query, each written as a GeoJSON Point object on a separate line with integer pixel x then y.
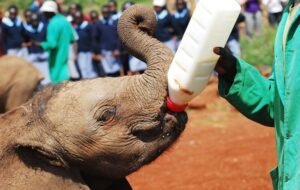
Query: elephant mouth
{"type": "Point", "coordinates": [174, 124]}
{"type": "Point", "coordinates": [171, 127]}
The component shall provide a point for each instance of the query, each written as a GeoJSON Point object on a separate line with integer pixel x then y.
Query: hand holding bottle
{"type": "Point", "coordinates": [226, 65]}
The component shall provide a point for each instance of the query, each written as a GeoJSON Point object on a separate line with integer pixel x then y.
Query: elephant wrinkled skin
{"type": "Point", "coordinates": [92, 134]}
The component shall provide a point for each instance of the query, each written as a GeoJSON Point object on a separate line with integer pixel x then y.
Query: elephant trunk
{"type": "Point", "coordinates": [135, 28]}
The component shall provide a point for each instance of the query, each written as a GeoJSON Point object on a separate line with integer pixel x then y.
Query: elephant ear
{"type": "Point", "coordinates": [35, 155]}
{"type": "Point", "coordinates": [38, 144]}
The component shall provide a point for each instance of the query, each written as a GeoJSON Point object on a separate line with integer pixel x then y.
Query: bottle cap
{"type": "Point", "coordinates": [175, 107]}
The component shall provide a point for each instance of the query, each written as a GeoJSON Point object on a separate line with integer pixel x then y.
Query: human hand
{"type": "Point", "coordinates": [226, 65]}
{"type": "Point", "coordinates": [97, 57]}
{"type": "Point", "coordinates": [35, 43]}
{"type": "Point", "coordinates": [26, 44]}
{"type": "Point", "coordinates": [116, 53]}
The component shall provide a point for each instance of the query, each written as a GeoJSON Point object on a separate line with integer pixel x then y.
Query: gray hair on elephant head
{"type": "Point", "coordinates": [96, 130]}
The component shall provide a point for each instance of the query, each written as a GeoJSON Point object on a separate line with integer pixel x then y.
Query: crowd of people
{"type": "Point", "coordinates": [92, 48]}
{"type": "Point", "coordinates": [252, 18]}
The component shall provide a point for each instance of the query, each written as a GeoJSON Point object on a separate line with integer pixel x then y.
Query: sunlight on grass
{"type": "Point", "coordinates": [260, 49]}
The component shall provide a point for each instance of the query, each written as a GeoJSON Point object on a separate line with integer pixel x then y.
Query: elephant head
{"type": "Point", "coordinates": [106, 127]}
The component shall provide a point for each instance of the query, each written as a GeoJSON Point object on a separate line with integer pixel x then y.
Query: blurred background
{"type": "Point", "coordinates": [220, 149]}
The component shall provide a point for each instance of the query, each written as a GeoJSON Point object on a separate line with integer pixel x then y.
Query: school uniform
{"type": "Point", "coordinates": [84, 58]}
{"type": "Point", "coordinates": [136, 65]}
{"type": "Point", "coordinates": [116, 16]}
{"type": "Point", "coordinates": [1, 40]}
{"type": "Point", "coordinates": [107, 43]}
{"type": "Point", "coordinates": [37, 56]}
{"type": "Point", "coordinates": [180, 21]}
{"type": "Point", "coordinates": [96, 34]}
{"type": "Point", "coordinates": [13, 37]}
{"type": "Point", "coordinates": [164, 29]}
{"type": "Point", "coordinates": [124, 58]}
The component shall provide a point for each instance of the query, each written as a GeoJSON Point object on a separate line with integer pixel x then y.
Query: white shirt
{"type": "Point", "coordinates": [274, 6]}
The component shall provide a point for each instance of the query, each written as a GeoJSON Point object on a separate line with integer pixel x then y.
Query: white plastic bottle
{"type": "Point", "coordinates": [194, 61]}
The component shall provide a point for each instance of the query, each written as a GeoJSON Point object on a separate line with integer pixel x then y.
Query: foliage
{"type": "Point", "coordinates": [260, 49]}
{"type": "Point", "coordinates": [22, 4]}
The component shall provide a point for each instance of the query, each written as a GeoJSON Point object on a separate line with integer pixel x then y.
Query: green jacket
{"type": "Point", "coordinates": [60, 35]}
{"type": "Point", "coordinates": [274, 102]}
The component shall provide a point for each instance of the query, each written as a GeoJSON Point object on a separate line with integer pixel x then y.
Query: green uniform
{"type": "Point", "coordinates": [275, 101]}
{"type": "Point", "coordinates": [60, 35]}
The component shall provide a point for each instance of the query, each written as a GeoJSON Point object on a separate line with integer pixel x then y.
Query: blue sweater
{"type": "Point", "coordinates": [164, 28]}
{"type": "Point", "coordinates": [85, 41]}
{"type": "Point", "coordinates": [180, 22]}
{"type": "Point", "coordinates": [35, 34]}
{"type": "Point", "coordinates": [12, 33]}
{"type": "Point", "coordinates": [106, 36]}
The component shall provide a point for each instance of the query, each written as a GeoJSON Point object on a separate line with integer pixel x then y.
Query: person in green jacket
{"type": "Point", "coordinates": [273, 102]}
{"type": "Point", "coordinates": [60, 35]}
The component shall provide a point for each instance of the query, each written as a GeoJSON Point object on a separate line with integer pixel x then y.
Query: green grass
{"type": "Point", "coordinates": [259, 50]}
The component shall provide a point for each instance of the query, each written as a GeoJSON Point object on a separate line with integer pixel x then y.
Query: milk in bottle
{"type": "Point", "coordinates": [194, 61]}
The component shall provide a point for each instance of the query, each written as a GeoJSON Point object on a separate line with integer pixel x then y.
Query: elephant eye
{"type": "Point", "coordinates": [107, 115]}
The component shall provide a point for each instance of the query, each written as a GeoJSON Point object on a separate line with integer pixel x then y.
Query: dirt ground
{"type": "Point", "coordinates": [219, 150]}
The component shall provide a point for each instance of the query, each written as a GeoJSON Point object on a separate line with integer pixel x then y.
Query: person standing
{"type": "Point", "coordinates": [108, 46]}
{"type": "Point", "coordinates": [94, 19]}
{"type": "Point", "coordinates": [60, 35]}
{"type": "Point", "coordinates": [13, 34]}
{"type": "Point", "coordinates": [253, 15]}
{"type": "Point", "coordinates": [84, 53]}
{"type": "Point", "coordinates": [27, 18]}
{"type": "Point", "coordinates": [272, 102]}
{"type": "Point", "coordinates": [181, 19]}
{"type": "Point", "coordinates": [275, 9]}
{"type": "Point", "coordinates": [113, 9]}
{"type": "Point", "coordinates": [164, 29]}
{"type": "Point", "coordinates": [36, 31]}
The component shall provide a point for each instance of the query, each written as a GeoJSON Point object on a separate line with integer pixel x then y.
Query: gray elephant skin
{"type": "Point", "coordinates": [92, 134]}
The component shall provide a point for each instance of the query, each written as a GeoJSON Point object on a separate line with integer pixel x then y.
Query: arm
{"type": "Point", "coordinates": [51, 38]}
{"type": "Point", "coordinates": [249, 92]}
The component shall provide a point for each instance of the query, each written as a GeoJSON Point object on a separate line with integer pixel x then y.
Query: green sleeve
{"type": "Point", "coordinates": [250, 93]}
{"type": "Point", "coordinates": [52, 38]}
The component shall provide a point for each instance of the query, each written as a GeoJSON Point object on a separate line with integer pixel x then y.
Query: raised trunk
{"type": "Point", "coordinates": [135, 29]}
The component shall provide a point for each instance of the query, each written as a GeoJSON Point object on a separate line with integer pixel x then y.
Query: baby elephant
{"type": "Point", "coordinates": [92, 134]}
{"type": "Point", "coordinates": [18, 80]}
